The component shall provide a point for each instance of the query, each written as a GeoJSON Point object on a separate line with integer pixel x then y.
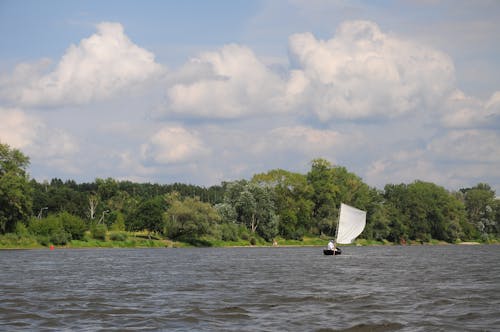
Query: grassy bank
{"type": "Point", "coordinates": [143, 240]}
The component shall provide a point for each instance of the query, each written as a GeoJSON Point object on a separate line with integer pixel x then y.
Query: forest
{"type": "Point", "coordinates": [277, 204]}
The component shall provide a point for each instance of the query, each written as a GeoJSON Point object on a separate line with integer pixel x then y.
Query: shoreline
{"type": "Point", "coordinates": [118, 246]}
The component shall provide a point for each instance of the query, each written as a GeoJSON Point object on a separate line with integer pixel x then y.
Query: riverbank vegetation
{"type": "Point", "coordinates": [277, 206]}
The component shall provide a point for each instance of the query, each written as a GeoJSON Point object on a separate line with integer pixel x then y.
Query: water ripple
{"type": "Point", "coordinates": [417, 288]}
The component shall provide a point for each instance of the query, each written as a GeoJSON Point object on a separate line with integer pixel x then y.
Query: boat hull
{"type": "Point", "coordinates": [329, 252]}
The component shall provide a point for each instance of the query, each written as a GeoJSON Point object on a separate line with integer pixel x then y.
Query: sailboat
{"type": "Point", "coordinates": [352, 222]}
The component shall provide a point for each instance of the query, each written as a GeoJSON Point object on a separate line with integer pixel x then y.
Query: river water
{"type": "Point", "coordinates": [388, 288]}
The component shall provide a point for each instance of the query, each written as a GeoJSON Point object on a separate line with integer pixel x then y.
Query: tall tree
{"type": "Point", "coordinates": [324, 195]}
{"type": "Point", "coordinates": [15, 190]}
{"type": "Point", "coordinates": [292, 198]}
{"type": "Point", "coordinates": [425, 211]}
{"type": "Point", "coordinates": [189, 218]}
{"type": "Point", "coordinates": [254, 207]}
{"type": "Point", "coordinates": [481, 208]}
{"type": "Point", "coordinates": [333, 185]}
{"type": "Point", "coordinates": [57, 196]}
{"type": "Point", "coordinates": [147, 216]}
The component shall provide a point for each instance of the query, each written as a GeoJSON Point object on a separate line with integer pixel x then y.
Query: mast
{"type": "Point", "coordinates": [338, 222]}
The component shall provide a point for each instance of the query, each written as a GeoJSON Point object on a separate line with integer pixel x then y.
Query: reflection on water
{"type": "Point", "coordinates": [417, 288]}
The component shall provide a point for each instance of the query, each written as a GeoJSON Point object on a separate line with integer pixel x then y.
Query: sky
{"type": "Point", "coordinates": [201, 92]}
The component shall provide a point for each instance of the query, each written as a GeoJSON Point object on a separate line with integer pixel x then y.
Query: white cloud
{"type": "Point", "coordinates": [299, 139]}
{"type": "Point", "coordinates": [17, 128]}
{"type": "Point", "coordinates": [362, 72]}
{"type": "Point", "coordinates": [98, 67]}
{"type": "Point", "coordinates": [229, 83]}
{"type": "Point", "coordinates": [131, 165]}
{"type": "Point", "coordinates": [464, 111]}
{"type": "Point", "coordinates": [475, 146]}
{"type": "Point", "coordinates": [238, 114]}
{"type": "Point", "coordinates": [174, 144]}
{"type": "Point", "coordinates": [41, 143]}
{"type": "Point", "coordinates": [404, 167]}
{"type": "Point", "coordinates": [457, 159]}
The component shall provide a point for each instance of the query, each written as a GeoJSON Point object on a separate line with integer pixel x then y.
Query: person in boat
{"type": "Point", "coordinates": [331, 245]}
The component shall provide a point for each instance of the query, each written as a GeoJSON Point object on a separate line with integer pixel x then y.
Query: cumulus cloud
{"type": "Point", "coordinates": [404, 167]}
{"type": "Point", "coordinates": [272, 117]}
{"type": "Point", "coordinates": [98, 67]}
{"type": "Point", "coordinates": [17, 128]}
{"type": "Point", "coordinates": [464, 111]}
{"type": "Point", "coordinates": [229, 83]}
{"type": "Point", "coordinates": [174, 144]}
{"type": "Point", "coordinates": [476, 146]}
{"type": "Point", "coordinates": [30, 134]}
{"type": "Point", "coordinates": [363, 72]}
{"type": "Point", "coordinates": [457, 159]}
{"type": "Point", "coordinates": [299, 139]}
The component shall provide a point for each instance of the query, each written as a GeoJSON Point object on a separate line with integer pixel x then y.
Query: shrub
{"type": "Point", "coordinates": [10, 240]}
{"type": "Point", "coordinates": [21, 230]}
{"type": "Point", "coordinates": [229, 232]}
{"type": "Point", "coordinates": [118, 236]}
{"type": "Point", "coordinates": [59, 237]}
{"type": "Point", "coordinates": [119, 222]}
{"type": "Point", "coordinates": [99, 232]}
{"type": "Point", "coordinates": [43, 240]}
{"type": "Point", "coordinates": [243, 232]}
{"type": "Point", "coordinates": [73, 225]}
{"type": "Point", "coordinates": [49, 230]}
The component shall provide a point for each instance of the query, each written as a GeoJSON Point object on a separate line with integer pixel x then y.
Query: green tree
{"type": "Point", "coordinates": [324, 196]}
{"type": "Point", "coordinates": [73, 225]}
{"type": "Point", "coordinates": [424, 211]}
{"type": "Point", "coordinates": [227, 213]}
{"type": "Point", "coordinates": [147, 216]}
{"type": "Point", "coordinates": [292, 201]}
{"type": "Point", "coordinates": [49, 230]}
{"type": "Point", "coordinates": [333, 185]}
{"type": "Point", "coordinates": [481, 207]}
{"type": "Point", "coordinates": [189, 218]}
{"type": "Point", "coordinates": [15, 190]}
{"type": "Point", "coordinates": [254, 207]}
{"type": "Point", "coordinates": [107, 188]}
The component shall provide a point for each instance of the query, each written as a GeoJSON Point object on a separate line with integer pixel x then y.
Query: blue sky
{"type": "Point", "coordinates": [208, 91]}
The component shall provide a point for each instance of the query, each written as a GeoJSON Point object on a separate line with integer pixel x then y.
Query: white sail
{"type": "Point", "coordinates": [351, 223]}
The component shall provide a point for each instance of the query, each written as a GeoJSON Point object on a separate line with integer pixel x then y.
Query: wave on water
{"type": "Point", "coordinates": [420, 288]}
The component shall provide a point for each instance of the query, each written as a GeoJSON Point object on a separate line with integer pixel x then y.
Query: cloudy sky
{"type": "Point", "coordinates": [207, 91]}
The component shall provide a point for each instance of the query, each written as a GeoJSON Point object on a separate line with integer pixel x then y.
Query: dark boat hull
{"type": "Point", "coordinates": [331, 252]}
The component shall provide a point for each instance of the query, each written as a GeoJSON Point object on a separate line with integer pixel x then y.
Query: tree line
{"type": "Point", "coordinates": [277, 203]}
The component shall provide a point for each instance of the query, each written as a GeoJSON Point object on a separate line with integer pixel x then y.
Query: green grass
{"type": "Point", "coordinates": [144, 240]}
{"type": "Point", "coordinates": [365, 242]}
{"type": "Point", "coordinates": [130, 242]}
{"type": "Point", "coordinates": [14, 241]}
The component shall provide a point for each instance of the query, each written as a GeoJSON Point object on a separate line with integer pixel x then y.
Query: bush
{"type": "Point", "coordinates": [119, 222]}
{"type": "Point", "coordinates": [118, 236]}
{"type": "Point", "coordinates": [49, 230]}
{"type": "Point", "coordinates": [243, 232]}
{"type": "Point", "coordinates": [43, 240]}
{"type": "Point", "coordinates": [56, 229]}
{"type": "Point", "coordinates": [99, 232]}
{"type": "Point", "coordinates": [73, 225]}
{"type": "Point", "coordinates": [21, 230]}
{"type": "Point", "coordinates": [13, 240]}
{"type": "Point", "coordinates": [229, 232]}
{"type": "Point", "coordinates": [59, 237]}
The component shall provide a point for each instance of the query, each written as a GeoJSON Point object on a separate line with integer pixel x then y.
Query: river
{"type": "Point", "coordinates": [386, 288]}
